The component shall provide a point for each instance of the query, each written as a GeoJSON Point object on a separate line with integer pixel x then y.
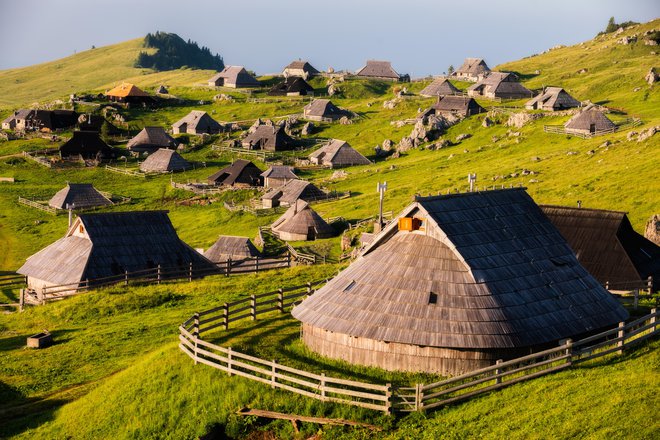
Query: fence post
{"type": "Point", "coordinates": [636, 301]}
{"type": "Point", "coordinates": [388, 396]}
{"type": "Point", "coordinates": [280, 300]}
{"type": "Point", "coordinates": [228, 269]}
{"type": "Point", "coordinates": [229, 361]}
{"type": "Point", "coordinates": [253, 307]}
{"type": "Point", "coordinates": [418, 400]}
{"type": "Point", "coordinates": [225, 316]}
{"type": "Point", "coordinates": [498, 371]}
{"type": "Point", "coordinates": [158, 273]}
{"type": "Point", "coordinates": [309, 289]}
{"type": "Point", "coordinates": [21, 300]}
{"type": "Point", "coordinates": [620, 336]}
{"type": "Point", "coordinates": [272, 374]}
{"type": "Point", "coordinates": [125, 278]}
{"type": "Point", "coordinates": [196, 334]}
{"type": "Point", "coordinates": [607, 285]}
{"type": "Point", "coordinates": [257, 264]}
{"type": "Point", "coordinates": [649, 285]}
{"type": "Point", "coordinates": [190, 272]}
{"type": "Point", "coordinates": [288, 259]}
{"type": "Point", "coordinates": [323, 387]}
{"type": "Point", "coordinates": [654, 319]}
{"type": "Point", "coordinates": [569, 351]}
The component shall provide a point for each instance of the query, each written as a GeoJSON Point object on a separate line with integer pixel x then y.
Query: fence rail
{"type": "Point", "coordinates": [40, 206]}
{"type": "Point", "coordinates": [389, 398]}
{"type": "Point", "coordinates": [559, 129]}
{"type": "Point", "coordinates": [301, 256]}
{"type": "Point", "coordinates": [126, 172]}
{"type": "Point", "coordinates": [259, 154]}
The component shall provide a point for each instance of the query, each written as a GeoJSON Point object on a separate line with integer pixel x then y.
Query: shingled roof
{"type": "Point", "coordinates": [472, 67]}
{"type": "Point", "coordinates": [552, 98]}
{"type": "Point", "coordinates": [279, 172]}
{"type": "Point", "coordinates": [478, 271]}
{"type": "Point", "coordinates": [440, 87]}
{"type": "Point", "coordinates": [78, 196]}
{"type": "Point", "coordinates": [606, 244]}
{"type": "Point", "coordinates": [378, 69]}
{"type": "Point", "coordinates": [295, 190]}
{"type": "Point", "coordinates": [301, 222]}
{"type": "Point", "coordinates": [150, 139]}
{"type": "Point", "coordinates": [164, 161]}
{"type": "Point", "coordinates": [87, 144]}
{"type": "Point", "coordinates": [291, 85]}
{"type": "Point", "coordinates": [241, 172]}
{"type": "Point", "coordinates": [499, 85]}
{"type": "Point", "coordinates": [126, 90]}
{"type": "Point", "coordinates": [590, 119]}
{"type": "Point", "coordinates": [108, 244]}
{"type": "Point", "coordinates": [235, 75]}
{"type": "Point", "coordinates": [197, 121]}
{"type": "Point", "coordinates": [228, 246]}
{"type": "Point", "coordinates": [338, 153]}
{"type": "Point", "coordinates": [323, 108]}
{"type": "Point", "coordinates": [301, 65]}
{"type": "Point", "coordinates": [268, 137]}
{"type": "Point", "coordinates": [457, 104]}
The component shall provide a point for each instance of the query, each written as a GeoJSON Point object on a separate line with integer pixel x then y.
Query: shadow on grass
{"type": "Point", "coordinates": [20, 342]}
{"type": "Point", "coordinates": [19, 414]}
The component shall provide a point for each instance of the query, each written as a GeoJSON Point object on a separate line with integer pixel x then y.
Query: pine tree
{"type": "Point", "coordinates": [611, 26]}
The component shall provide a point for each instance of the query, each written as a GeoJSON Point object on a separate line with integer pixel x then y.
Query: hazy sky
{"type": "Point", "coordinates": [420, 37]}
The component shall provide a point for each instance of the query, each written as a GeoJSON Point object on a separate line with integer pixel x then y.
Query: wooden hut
{"type": "Point", "coordinates": [151, 139]}
{"type": "Point", "coordinates": [590, 120]}
{"type": "Point", "coordinates": [323, 110]}
{"type": "Point", "coordinates": [17, 121]}
{"type": "Point", "coordinates": [291, 86]}
{"type": "Point", "coordinates": [197, 122]}
{"type": "Point", "coordinates": [89, 122]}
{"type": "Point", "coordinates": [268, 137]}
{"type": "Point", "coordinates": [241, 173]}
{"type": "Point", "coordinates": [278, 175]}
{"type": "Point", "coordinates": [164, 161]}
{"type": "Point", "coordinates": [455, 283]}
{"type": "Point", "coordinates": [235, 77]}
{"type": "Point", "coordinates": [300, 68]}
{"type": "Point", "coordinates": [500, 85]}
{"type": "Point", "coordinates": [79, 196]}
{"type": "Point", "coordinates": [229, 247]}
{"type": "Point", "coordinates": [452, 106]}
{"type": "Point", "coordinates": [606, 244]}
{"type": "Point", "coordinates": [111, 244]}
{"type": "Point", "coordinates": [440, 87]}
{"type": "Point", "coordinates": [51, 120]}
{"type": "Point", "coordinates": [380, 70]}
{"type": "Point", "coordinates": [472, 69]}
{"type": "Point", "coordinates": [289, 193]}
{"type": "Point", "coordinates": [336, 154]}
{"type": "Point", "coordinates": [552, 99]}
{"type": "Point", "coordinates": [301, 222]}
{"type": "Point", "coordinates": [88, 145]}
{"type": "Point", "coordinates": [128, 93]}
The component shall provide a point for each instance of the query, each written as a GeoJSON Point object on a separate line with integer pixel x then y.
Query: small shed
{"type": "Point", "coordinates": [502, 85]}
{"type": "Point", "coordinates": [472, 69]}
{"type": "Point", "coordinates": [234, 77]}
{"type": "Point", "coordinates": [104, 245]}
{"type": "Point", "coordinates": [164, 161]}
{"type": "Point", "coordinates": [79, 196]}
{"type": "Point", "coordinates": [17, 120]}
{"type": "Point", "coordinates": [590, 120]}
{"type": "Point", "coordinates": [455, 283]}
{"type": "Point", "coordinates": [289, 193]}
{"type": "Point", "coordinates": [197, 122]}
{"type": "Point", "coordinates": [291, 86]}
{"type": "Point", "coordinates": [229, 247]}
{"type": "Point", "coordinates": [241, 173]}
{"type": "Point", "coordinates": [552, 99]}
{"type": "Point", "coordinates": [278, 175]}
{"type": "Point", "coordinates": [127, 92]}
{"type": "Point", "coordinates": [301, 222]}
{"type": "Point", "coordinates": [380, 70]}
{"type": "Point", "coordinates": [268, 137]}
{"type": "Point", "coordinates": [452, 106]}
{"type": "Point", "coordinates": [606, 244]}
{"type": "Point", "coordinates": [300, 68]}
{"type": "Point", "coordinates": [323, 110]}
{"type": "Point", "coordinates": [440, 87]}
{"type": "Point", "coordinates": [337, 154]}
{"type": "Point", "coordinates": [88, 145]}
{"type": "Point", "coordinates": [150, 139]}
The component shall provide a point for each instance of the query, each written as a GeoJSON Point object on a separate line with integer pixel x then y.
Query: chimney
{"type": "Point", "coordinates": [70, 208]}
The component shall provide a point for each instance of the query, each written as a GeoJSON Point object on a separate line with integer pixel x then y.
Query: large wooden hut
{"type": "Point", "coordinates": [606, 244]}
{"type": "Point", "coordinates": [128, 93]}
{"type": "Point", "coordinates": [234, 77]}
{"type": "Point", "coordinates": [501, 85]}
{"type": "Point", "coordinates": [589, 121]}
{"type": "Point", "coordinates": [291, 86]}
{"type": "Point", "coordinates": [268, 137]}
{"type": "Point", "coordinates": [241, 173]}
{"type": "Point", "coordinates": [278, 175]}
{"type": "Point", "coordinates": [380, 70]}
{"type": "Point", "coordinates": [52, 120]}
{"type": "Point", "coordinates": [197, 122]}
{"type": "Point", "coordinates": [440, 87]}
{"type": "Point", "coordinates": [229, 247]}
{"type": "Point", "coordinates": [79, 196]}
{"type": "Point", "coordinates": [164, 161]}
{"type": "Point", "coordinates": [151, 139]}
{"type": "Point", "coordinates": [472, 69]}
{"type": "Point", "coordinates": [552, 99]}
{"type": "Point", "coordinates": [301, 222]}
{"type": "Point", "coordinates": [453, 106]}
{"type": "Point", "coordinates": [455, 283]}
{"type": "Point", "coordinates": [300, 68]}
{"type": "Point", "coordinates": [336, 154]}
{"type": "Point", "coordinates": [289, 193]}
{"type": "Point", "coordinates": [110, 244]}
{"type": "Point", "coordinates": [88, 145]}
{"type": "Point", "coordinates": [323, 110]}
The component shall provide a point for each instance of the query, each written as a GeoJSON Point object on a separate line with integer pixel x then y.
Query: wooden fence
{"type": "Point", "coordinates": [126, 172]}
{"type": "Point", "coordinates": [389, 398]}
{"type": "Point", "coordinates": [559, 129]}
{"type": "Point", "coordinates": [40, 206]}
{"type": "Point", "coordinates": [259, 154]}
{"type": "Point", "coordinates": [301, 256]}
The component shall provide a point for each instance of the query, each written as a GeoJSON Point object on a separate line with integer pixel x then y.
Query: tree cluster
{"type": "Point", "coordinates": [174, 53]}
{"type": "Point", "coordinates": [612, 26]}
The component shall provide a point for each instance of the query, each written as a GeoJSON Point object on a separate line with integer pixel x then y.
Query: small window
{"type": "Point", "coordinates": [433, 298]}
{"type": "Point", "coordinates": [81, 229]}
{"type": "Point", "coordinates": [350, 286]}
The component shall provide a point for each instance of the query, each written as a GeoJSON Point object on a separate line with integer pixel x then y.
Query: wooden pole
{"type": "Point", "coordinates": [126, 278]}
{"type": "Point", "coordinates": [636, 300]}
{"type": "Point", "coordinates": [569, 351]}
{"type": "Point", "coordinates": [272, 374]}
{"type": "Point", "coordinates": [498, 371]}
{"type": "Point", "coordinates": [228, 269]}
{"type": "Point", "coordinates": [21, 300]}
{"type": "Point", "coordinates": [388, 395]}
{"type": "Point", "coordinates": [253, 307]}
{"type": "Point", "coordinates": [190, 272]}
{"type": "Point", "coordinates": [229, 362]}
{"type": "Point", "coordinates": [649, 285]}
{"type": "Point", "coordinates": [620, 335]}
{"type": "Point", "coordinates": [654, 319]}
{"type": "Point", "coordinates": [225, 316]}
{"type": "Point", "coordinates": [309, 289]}
{"type": "Point", "coordinates": [158, 273]}
{"type": "Point", "coordinates": [280, 300]}
{"type": "Point", "coordinates": [323, 398]}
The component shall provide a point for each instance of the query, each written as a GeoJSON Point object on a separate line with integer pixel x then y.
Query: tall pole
{"type": "Point", "coordinates": [381, 188]}
{"type": "Point", "coordinates": [471, 179]}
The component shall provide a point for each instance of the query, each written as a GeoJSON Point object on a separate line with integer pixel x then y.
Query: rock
{"type": "Point", "coordinates": [631, 135]}
{"type": "Point", "coordinates": [605, 144]}
{"type": "Point", "coordinates": [387, 145]}
{"type": "Point", "coordinates": [332, 90]}
{"type": "Point", "coordinates": [405, 144]}
{"type": "Point", "coordinates": [254, 126]}
{"type": "Point", "coordinates": [223, 97]}
{"type": "Point", "coordinates": [513, 175]}
{"type": "Point", "coordinates": [339, 174]}
{"type": "Point", "coordinates": [526, 172]}
{"type": "Point", "coordinates": [537, 72]}
{"type": "Point", "coordinates": [582, 71]}
{"type": "Point", "coordinates": [450, 156]}
{"type": "Point", "coordinates": [536, 159]}
{"type": "Point", "coordinates": [649, 42]}
{"type": "Point", "coordinates": [419, 132]}
{"type": "Point", "coordinates": [519, 119]}
{"type": "Point", "coordinates": [463, 136]}
{"type": "Point", "coordinates": [645, 134]}
{"type": "Point", "coordinates": [307, 129]}
{"type": "Point", "coordinates": [533, 181]}
{"type": "Point", "coordinates": [390, 104]}
{"type": "Point", "coordinates": [513, 133]}
{"type": "Point", "coordinates": [558, 46]}
{"type": "Point", "coordinates": [627, 40]}
{"type": "Point", "coordinates": [487, 122]}
{"type": "Point", "coordinates": [591, 152]}
{"type": "Point", "coordinates": [637, 89]}
{"type": "Point", "coordinates": [369, 104]}
{"type": "Point", "coordinates": [394, 155]}
{"type": "Point", "coordinates": [345, 121]}
{"type": "Point", "coordinates": [652, 77]}
{"type": "Point", "coordinates": [494, 139]}
{"type": "Point", "coordinates": [652, 231]}
{"type": "Point", "coordinates": [269, 123]}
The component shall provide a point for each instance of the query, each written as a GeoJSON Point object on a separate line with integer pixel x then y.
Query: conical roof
{"type": "Point", "coordinates": [588, 117]}
{"type": "Point", "coordinates": [228, 246]}
{"type": "Point", "coordinates": [479, 271]}
{"type": "Point", "coordinates": [163, 161]}
{"type": "Point", "coordinates": [79, 196]}
{"type": "Point", "coordinates": [151, 138]}
{"type": "Point", "coordinates": [299, 219]}
{"type": "Point", "coordinates": [440, 87]}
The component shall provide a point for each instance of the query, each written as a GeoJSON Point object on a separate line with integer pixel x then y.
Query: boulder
{"type": "Point", "coordinates": [463, 136]}
{"type": "Point", "coordinates": [405, 144]}
{"type": "Point", "coordinates": [254, 126]}
{"type": "Point", "coordinates": [419, 132]}
{"type": "Point", "coordinates": [339, 174]}
{"type": "Point", "coordinates": [631, 135]}
{"type": "Point", "coordinates": [332, 90]}
{"type": "Point", "coordinates": [387, 145]}
{"type": "Point", "coordinates": [652, 77]}
{"type": "Point", "coordinates": [487, 122]}
{"type": "Point", "coordinates": [519, 119]}
{"type": "Point", "coordinates": [652, 231]}
{"type": "Point", "coordinates": [345, 121]}
{"type": "Point", "coordinates": [645, 134]}
{"type": "Point", "coordinates": [390, 104]}
{"type": "Point", "coordinates": [307, 129]}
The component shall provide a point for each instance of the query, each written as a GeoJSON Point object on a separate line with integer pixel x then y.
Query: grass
{"type": "Point", "coordinates": [116, 349]}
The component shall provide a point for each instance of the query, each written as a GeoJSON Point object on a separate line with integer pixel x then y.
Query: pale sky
{"type": "Point", "coordinates": [420, 37]}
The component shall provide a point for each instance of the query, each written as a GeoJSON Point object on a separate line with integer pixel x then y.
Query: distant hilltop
{"type": "Point", "coordinates": [173, 53]}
